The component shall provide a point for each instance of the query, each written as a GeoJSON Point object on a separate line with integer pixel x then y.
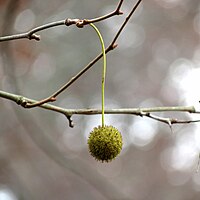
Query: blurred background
{"type": "Point", "coordinates": [156, 64]}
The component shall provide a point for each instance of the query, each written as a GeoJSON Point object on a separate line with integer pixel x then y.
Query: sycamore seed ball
{"type": "Point", "coordinates": [105, 143]}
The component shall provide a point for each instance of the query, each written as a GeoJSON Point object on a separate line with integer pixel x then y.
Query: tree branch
{"type": "Point", "coordinates": [29, 103]}
{"type": "Point", "coordinates": [143, 112]}
{"type": "Point", "coordinates": [125, 22]}
{"type": "Point", "coordinates": [78, 22]}
{"type": "Point", "coordinates": [112, 46]}
{"type": "Point", "coordinates": [81, 23]}
{"type": "Point", "coordinates": [31, 34]}
{"type": "Point", "coordinates": [171, 121]}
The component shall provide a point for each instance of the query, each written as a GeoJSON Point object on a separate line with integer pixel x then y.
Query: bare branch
{"type": "Point", "coordinates": [170, 121]}
{"type": "Point", "coordinates": [88, 21]}
{"type": "Point", "coordinates": [29, 103]}
{"type": "Point", "coordinates": [31, 34]}
{"type": "Point", "coordinates": [143, 112]}
{"type": "Point", "coordinates": [125, 22]}
{"type": "Point", "coordinates": [87, 67]}
{"type": "Point", "coordinates": [78, 22]}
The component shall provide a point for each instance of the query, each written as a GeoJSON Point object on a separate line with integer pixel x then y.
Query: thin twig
{"type": "Point", "coordinates": [87, 67]}
{"type": "Point", "coordinates": [125, 22]}
{"type": "Point", "coordinates": [113, 13]}
{"type": "Point", "coordinates": [143, 112]}
{"type": "Point", "coordinates": [31, 34]}
{"type": "Point", "coordinates": [67, 22]}
{"type": "Point", "coordinates": [169, 121]}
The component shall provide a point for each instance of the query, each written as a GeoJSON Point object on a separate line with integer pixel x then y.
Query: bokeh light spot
{"type": "Point", "coordinates": [25, 20]}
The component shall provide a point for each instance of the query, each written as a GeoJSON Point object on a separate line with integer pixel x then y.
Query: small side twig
{"type": "Point", "coordinates": [81, 23]}
{"type": "Point", "coordinates": [87, 67]}
{"type": "Point", "coordinates": [31, 34]}
{"type": "Point", "coordinates": [71, 123]}
{"type": "Point", "coordinates": [67, 22]}
{"type": "Point", "coordinates": [143, 112]}
{"type": "Point", "coordinates": [170, 121]}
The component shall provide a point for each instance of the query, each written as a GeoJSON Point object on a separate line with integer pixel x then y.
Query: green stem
{"type": "Point", "coordinates": [103, 71]}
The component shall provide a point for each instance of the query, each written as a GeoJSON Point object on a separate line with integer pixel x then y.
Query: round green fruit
{"type": "Point", "coordinates": [105, 143]}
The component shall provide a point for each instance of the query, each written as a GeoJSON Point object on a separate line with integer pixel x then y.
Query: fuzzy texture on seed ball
{"type": "Point", "coordinates": [105, 143]}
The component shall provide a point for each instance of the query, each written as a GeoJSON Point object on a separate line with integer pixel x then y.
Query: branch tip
{"type": "Point", "coordinates": [71, 124]}
{"type": "Point", "coordinates": [119, 12]}
{"type": "Point", "coordinates": [115, 45]}
{"type": "Point", "coordinates": [169, 122]}
{"type": "Point", "coordinates": [52, 99]}
{"type": "Point", "coordinates": [34, 37]}
{"type": "Point", "coordinates": [112, 46]}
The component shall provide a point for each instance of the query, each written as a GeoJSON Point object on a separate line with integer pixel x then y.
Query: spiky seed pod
{"type": "Point", "coordinates": [105, 143]}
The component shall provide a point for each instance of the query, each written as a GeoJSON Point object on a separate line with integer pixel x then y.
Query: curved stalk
{"type": "Point", "coordinates": [103, 70]}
